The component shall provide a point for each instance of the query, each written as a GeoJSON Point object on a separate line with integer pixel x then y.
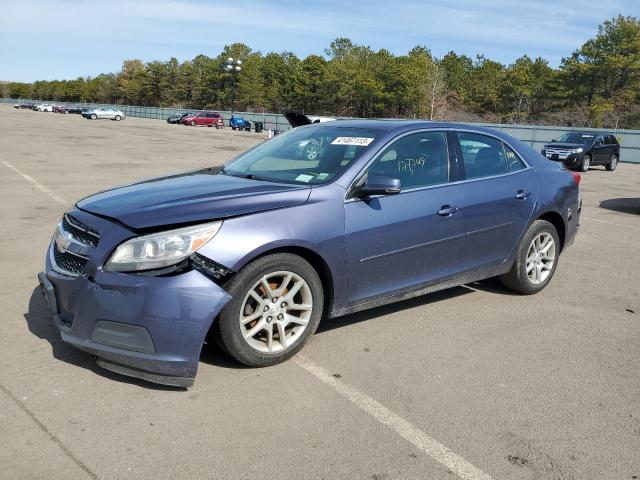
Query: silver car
{"type": "Point", "coordinates": [104, 112]}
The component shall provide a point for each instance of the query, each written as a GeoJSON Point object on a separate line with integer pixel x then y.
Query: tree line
{"type": "Point", "coordinates": [597, 85]}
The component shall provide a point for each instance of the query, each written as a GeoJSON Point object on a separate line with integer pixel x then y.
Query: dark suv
{"type": "Point", "coordinates": [583, 149]}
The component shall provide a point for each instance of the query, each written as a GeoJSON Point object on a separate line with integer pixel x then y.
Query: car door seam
{"type": "Point", "coordinates": [412, 247]}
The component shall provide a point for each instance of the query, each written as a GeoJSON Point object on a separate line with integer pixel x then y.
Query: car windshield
{"type": "Point", "coordinates": [576, 137]}
{"type": "Point", "coordinates": [307, 155]}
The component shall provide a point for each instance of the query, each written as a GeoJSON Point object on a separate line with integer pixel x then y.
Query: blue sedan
{"type": "Point", "coordinates": [256, 253]}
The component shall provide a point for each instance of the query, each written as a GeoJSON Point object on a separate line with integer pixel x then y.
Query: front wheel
{"type": "Point", "coordinates": [117, 118]}
{"type": "Point", "coordinates": [94, 116]}
{"type": "Point", "coordinates": [613, 163]}
{"type": "Point", "coordinates": [586, 163]}
{"type": "Point", "coordinates": [277, 302]}
{"type": "Point", "coordinates": [536, 259]}
{"type": "Point", "coordinates": [193, 124]}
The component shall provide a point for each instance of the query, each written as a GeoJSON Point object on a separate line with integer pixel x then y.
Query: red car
{"type": "Point", "coordinates": [60, 109]}
{"type": "Point", "coordinates": [210, 119]}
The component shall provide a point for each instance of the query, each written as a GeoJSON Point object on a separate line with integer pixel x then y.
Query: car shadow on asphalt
{"type": "Point", "coordinates": [622, 205]}
{"type": "Point", "coordinates": [41, 325]}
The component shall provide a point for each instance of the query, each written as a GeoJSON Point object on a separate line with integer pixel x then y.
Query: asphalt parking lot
{"type": "Point", "coordinates": [473, 382]}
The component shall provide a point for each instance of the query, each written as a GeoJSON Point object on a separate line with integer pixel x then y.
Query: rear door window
{"type": "Point", "coordinates": [486, 156]}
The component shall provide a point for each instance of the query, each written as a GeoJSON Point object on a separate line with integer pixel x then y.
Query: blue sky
{"type": "Point", "coordinates": [57, 39]}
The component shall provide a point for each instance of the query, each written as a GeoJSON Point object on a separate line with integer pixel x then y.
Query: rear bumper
{"type": "Point", "coordinates": [146, 327]}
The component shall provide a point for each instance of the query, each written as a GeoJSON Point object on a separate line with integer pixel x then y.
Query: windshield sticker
{"type": "Point", "coordinates": [322, 176]}
{"type": "Point", "coordinates": [357, 141]}
{"type": "Point", "coordinates": [304, 178]}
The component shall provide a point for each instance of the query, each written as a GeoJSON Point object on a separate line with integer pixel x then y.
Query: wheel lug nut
{"type": "Point", "coordinates": [280, 317]}
{"type": "Point", "coordinates": [275, 300]}
{"type": "Point", "coordinates": [269, 319]}
{"type": "Point", "coordinates": [284, 304]}
{"type": "Point", "coordinates": [266, 309]}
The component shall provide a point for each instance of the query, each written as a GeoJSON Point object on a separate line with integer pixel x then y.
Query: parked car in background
{"type": "Point", "coordinates": [104, 112]}
{"type": "Point", "coordinates": [23, 106]}
{"type": "Point", "coordinates": [178, 117]}
{"type": "Point", "coordinates": [239, 123]}
{"type": "Point", "coordinates": [582, 150]}
{"type": "Point", "coordinates": [210, 119]}
{"type": "Point", "coordinates": [44, 107]}
{"type": "Point", "coordinates": [254, 254]}
{"type": "Point", "coordinates": [77, 109]}
{"type": "Point", "coordinates": [59, 109]}
{"type": "Point", "coordinates": [297, 119]}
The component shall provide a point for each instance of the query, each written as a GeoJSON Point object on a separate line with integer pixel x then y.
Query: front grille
{"type": "Point", "coordinates": [563, 152]}
{"type": "Point", "coordinates": [80, 231]}
{"type": "Point", "coordinates": [68, 261]}
{"type": "Point", "coordinates": [72, 245]}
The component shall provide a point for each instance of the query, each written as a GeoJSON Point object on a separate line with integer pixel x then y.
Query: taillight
{"type": "Point", "coordinates": [576, 177]}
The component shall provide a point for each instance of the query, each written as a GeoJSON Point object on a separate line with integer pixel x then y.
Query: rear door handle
{"type": "Point", "coordinates": [522, 195]}
{"type": "Point", "coordinates": [447, 210]}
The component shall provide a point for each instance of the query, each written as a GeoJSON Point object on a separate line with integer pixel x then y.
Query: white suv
{"type": "Point", "coordinates": [44, 107]}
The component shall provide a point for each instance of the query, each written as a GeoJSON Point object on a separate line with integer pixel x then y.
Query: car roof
{"type": "Point", "coordinates": [405, 125]}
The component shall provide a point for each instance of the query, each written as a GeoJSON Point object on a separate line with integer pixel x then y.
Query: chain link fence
{"type": "Point", "coordinates": [534, 135]}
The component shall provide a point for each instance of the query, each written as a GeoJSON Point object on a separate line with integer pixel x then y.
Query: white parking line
{"type": "Point", "coordinates": [36, 184]}
{"type": "Point", "coordinates": [610, 223]}
{"type": "Point", "coordinates": [395, 422]}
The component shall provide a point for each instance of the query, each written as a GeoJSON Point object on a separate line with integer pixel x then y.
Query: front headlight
{"type": "Point", "coordinates": [578, 150]}
{"type": "Point", "coordinates": [160, 250]}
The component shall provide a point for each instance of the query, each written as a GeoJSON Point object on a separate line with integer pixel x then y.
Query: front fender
{"type": "Point", "coordinates": [316, 226]}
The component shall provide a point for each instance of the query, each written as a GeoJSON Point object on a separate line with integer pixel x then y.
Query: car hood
{"type": "Point", "coordinates": [189, 198]}
{"type": "Point", "coordinates": [565, 145]}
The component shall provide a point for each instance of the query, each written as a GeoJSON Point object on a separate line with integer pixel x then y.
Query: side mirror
{"type": "Point", "coordinates": [379, 185]}
{"type": "Point", "coordinates": [598, 142]}
{"type": "Point", "coordinates": [553, 140]}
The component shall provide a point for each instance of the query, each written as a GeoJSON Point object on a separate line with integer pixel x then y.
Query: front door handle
{"type": "Point", "coordinates": [522, 195]}
{"type": "Point", "coordinates": [447, 210]}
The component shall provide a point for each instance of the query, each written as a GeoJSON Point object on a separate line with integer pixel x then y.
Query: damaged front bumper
{"type": "Point", "coordinates": [146, 327]}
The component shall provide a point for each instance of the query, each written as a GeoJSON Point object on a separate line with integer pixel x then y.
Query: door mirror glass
{"type": "Point", "coordinates": [379, 185]}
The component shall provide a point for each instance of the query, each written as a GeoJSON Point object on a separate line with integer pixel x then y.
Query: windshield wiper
{"type": "Point", "coordinates": [249, 176]}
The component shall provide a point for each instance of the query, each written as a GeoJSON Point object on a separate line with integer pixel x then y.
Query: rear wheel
{"type": "Point", "coordinates": [586, 163]}
{"type": "Point", "coordinates": [93, 116]}
{"type": "Point", "coordinates": [613, 163]}
{"type": "Point", "coordinates": [117, 118]}
{"type": "Point", "coordinates": [193, 123]}
{"type": "Point", "coordinates": [277, 302]}
{"type": "Point", "coordinates": [536, 259]}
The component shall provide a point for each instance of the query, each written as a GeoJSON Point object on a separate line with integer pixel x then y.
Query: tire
{"type": "Point", "coordinates": [233, 128]}
{"type": "Point", "coordinates": [613, 163]}
{"type": "Point", "coordinates": [94, 116]}
{"type": "Point", "coordinates": [117, 118]}
{"type": "Point", "coordinates": [518, 279]}
{"type": "Point", "coordinates": [585, 164]}
{"type": "Point", "coordinates": [193, 123]}
{"type": "Point", "coordinates": [254, 350]}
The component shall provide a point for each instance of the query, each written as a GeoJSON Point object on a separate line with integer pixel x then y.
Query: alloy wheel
{"type": "Point", "coordinates": [541, 257]}
{"type": "Point", "coordinates": [276, 311]}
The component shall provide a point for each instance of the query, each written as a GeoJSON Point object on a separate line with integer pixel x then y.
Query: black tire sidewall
{"type": "Point", "coordinates": [520, 265]}
{"type": "Point", "coordinates": [582, 165]}
{"type": "Point", "coordinates": [611, 166]}
{"type": "Point", "coordinates": [228, 327]}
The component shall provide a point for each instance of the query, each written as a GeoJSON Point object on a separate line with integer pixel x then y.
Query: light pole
{"type": "Point", "coordinates": [233, 67]}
